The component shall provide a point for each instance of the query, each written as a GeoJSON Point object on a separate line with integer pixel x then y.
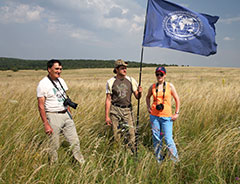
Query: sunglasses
{"type": "Point", "coordinates": [159, 74]}
{"type": "Point", "coordinates": [122, 68]}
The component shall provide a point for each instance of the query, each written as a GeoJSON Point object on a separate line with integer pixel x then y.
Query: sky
{"type": "Point", "coordinates": [107, 29]}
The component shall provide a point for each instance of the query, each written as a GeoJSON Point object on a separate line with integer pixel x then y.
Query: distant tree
{"type": "Point", "coordinates": [22, 64]}
{"type": "Point", "coordinates": [14, 69]}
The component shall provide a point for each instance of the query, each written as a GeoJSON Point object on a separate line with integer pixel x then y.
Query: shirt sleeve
{"type": "Point", "coordinates": [134, 84]}
{"type": "Point", "coordinates": [108, 90]}
{"type": "Point", "coordinates": [109, 85]}
{"type": "Point", "coordinates": [41, 91]}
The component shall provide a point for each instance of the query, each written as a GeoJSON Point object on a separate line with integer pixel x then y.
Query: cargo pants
{"type": "Point", "coordinates": [123, 125]}
{"type": "Point", "coordinates": [63, 123]}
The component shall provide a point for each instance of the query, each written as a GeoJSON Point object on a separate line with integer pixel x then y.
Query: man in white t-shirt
{"type": "Point", "coordinates": [56, 117]}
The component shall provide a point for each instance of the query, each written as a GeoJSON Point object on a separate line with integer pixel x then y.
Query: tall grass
{"type": "Point", "coordinates": [207, 132]}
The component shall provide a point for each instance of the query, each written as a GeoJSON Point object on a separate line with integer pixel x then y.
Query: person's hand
{"type": "Point", "coordinates": [139, 89]}
{"type": "Point", "coordinates": [108, 121]}
{"type": "Point", "coordinates": [48, 129]}
{"type": "Point", "coordinates": [149, 110]}
{"type": "Point", "coordinates": [175, 116]}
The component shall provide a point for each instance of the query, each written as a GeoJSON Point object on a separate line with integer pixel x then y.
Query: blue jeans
{"type": "Point", "coordinates": [162, 128]}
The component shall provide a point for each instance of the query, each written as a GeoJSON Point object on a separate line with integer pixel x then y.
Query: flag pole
{"type": "Point", "coordinates": [138, 107]}
{"type": "Point", "coordinates": [140, 78]}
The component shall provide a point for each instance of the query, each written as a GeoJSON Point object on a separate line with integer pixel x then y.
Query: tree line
{"type": "Point", "coordinates": [16, 64]}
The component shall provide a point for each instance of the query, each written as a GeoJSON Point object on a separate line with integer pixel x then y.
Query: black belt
{"type": "Point", "coordinates": [122, 106]}
{"type": "Point", "coordinates": [59, 112]}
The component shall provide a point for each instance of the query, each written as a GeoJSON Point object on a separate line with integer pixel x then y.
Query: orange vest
{"type": "Point", "coordinates": [167, 111]}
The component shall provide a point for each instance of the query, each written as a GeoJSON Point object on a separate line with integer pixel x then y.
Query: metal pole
{"type": "Point", "coordinates": [140, 78]}
{"type": "Point", "coordinates": [138, 107]}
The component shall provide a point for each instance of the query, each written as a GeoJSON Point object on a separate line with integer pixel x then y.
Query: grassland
{"type": "Point", "coordinates": [207, 132]}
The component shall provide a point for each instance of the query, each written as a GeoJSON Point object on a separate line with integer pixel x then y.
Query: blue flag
{"type": "Point", "coordinates": [171, 26]}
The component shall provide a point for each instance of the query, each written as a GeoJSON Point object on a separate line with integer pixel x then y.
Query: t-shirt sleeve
{"type": "Point", "coordinates": [109, 85]}
{"type": "Point", "coordinates": [134, 84]}
{"type": "Point", "coordinates": [108, 90]}
{"type": "Point", "coordinates": [41, 91]}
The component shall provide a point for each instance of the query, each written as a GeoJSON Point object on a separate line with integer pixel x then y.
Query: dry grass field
{"type": "Point", "coordinates": [207, 133]}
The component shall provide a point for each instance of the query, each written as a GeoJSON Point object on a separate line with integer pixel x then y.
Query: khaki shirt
{"type": "Point", "coordinates": [121, 90]}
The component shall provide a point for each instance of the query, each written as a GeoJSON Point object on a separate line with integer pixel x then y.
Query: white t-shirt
{"type": "Point", "coordinates": [54, 100]}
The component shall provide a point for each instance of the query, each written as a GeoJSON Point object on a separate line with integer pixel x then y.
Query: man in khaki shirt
{"type": "Point", "coordinates": [118, 105]}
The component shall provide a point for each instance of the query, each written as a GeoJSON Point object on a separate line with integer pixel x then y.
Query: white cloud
{"type": "Point", "coordinates": [135, 28]}
{"type": "Point", "coordinates": [97, 6]}
{"type": "Point", "coordinates": [114, 23]}
{"type": "Point", "coordinates": [228, 38]}
{"type": "Point", "coordinates": [82, 35]}
{"type": "Point", "coordinates": [83, 22]}
{"type": "Point", "coordinates": [20, 13]}
{"type": "Point", "coordinates": [230, 20]}
{"type": "Point", "coordinates": [114, 15]}
{"type": "Point", "coordinates": [70, 31]}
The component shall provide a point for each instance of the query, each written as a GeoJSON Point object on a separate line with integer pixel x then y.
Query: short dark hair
{"type": "Point", "coordinates": [51, 62]}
